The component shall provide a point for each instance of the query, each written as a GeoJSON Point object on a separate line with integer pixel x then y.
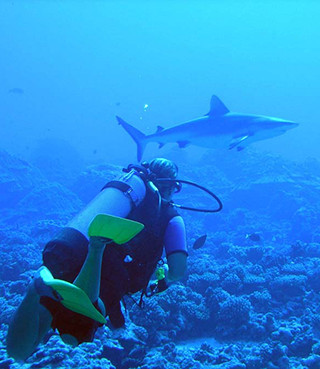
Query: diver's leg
{"type": "Point", "coordinates": [90, 275]}
{"type": "Point", "coordinates": [30, 323]}
{"type": "Point", "coordinates": [89, 279]}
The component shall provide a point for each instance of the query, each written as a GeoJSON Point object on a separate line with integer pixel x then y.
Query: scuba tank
{"type": "Point", "coordinates": [116, 198]}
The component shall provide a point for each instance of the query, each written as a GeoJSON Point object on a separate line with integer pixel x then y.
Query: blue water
{"type": "Point", "coordinates": [69, 67]}
{"type": "Point", "coordinates": [80, 64]}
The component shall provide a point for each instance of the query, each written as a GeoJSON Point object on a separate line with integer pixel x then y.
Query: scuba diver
{"type": "Point", "coordinates": [110, 249]}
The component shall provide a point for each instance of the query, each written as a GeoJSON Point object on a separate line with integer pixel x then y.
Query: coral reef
{"type": "Point", "coordinates": [246, 302]}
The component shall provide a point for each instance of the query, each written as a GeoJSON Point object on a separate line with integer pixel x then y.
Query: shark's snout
{"type": "Point", "coordinates": [290, 125]}
{"type": "Point", "coordinates": [283, 125]}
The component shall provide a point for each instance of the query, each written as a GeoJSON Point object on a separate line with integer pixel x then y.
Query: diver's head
{"type": "Point", "coordinates": [164, 168]}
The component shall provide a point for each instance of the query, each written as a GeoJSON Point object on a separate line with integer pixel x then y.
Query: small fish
{"type": "Point", "coordinates": [16, 90]}
{"type": "Point", "coordinates": [199, 242]}
{"type": "Point", "coordinates": [253, 237]}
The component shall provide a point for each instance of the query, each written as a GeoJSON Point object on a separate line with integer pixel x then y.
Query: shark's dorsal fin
{"type": "Point", "coordinates": [159, 129]}
{"type": "Point", "coordinates": [217, 107]}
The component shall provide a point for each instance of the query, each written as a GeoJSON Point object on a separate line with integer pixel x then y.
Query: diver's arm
{"type": "Point", "coordinates": [177, 263]}
{"type": "Point", "coordinates": [176, 249]}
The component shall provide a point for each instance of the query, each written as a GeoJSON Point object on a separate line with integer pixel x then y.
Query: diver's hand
{"type": "Point", "coordinates": [153, 287]}
{"type": "Point", "coordinates": [156, 287]}
{"type": "Point", "coordinates": [162, 285]}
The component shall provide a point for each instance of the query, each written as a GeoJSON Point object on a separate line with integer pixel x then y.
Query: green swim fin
{"type": "Point", "coordinates": [119, 230]}
{"type": "Point", "coordinates": [72, 297]}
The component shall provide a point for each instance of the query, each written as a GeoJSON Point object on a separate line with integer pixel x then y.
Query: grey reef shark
{"type": "Point", "coordinates": [220, 128]}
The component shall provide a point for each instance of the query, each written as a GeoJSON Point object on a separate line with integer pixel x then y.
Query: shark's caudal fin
{"type": "Point", "coordinates": [137, 135]}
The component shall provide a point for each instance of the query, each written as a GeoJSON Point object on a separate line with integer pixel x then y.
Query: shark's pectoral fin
{"type": "Point", "coordinates": [217, 107]}
{"type": "Point", "coordinates": [183, 144]}
{"type": "Point", "coordinates": [237, 143]}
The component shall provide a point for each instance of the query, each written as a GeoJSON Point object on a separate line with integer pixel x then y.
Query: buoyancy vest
{"type": "Point", "coordinates": [146, 248]}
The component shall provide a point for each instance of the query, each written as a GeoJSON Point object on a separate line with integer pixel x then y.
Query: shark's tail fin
{"type": "Point", "coordinates": [137, 135]}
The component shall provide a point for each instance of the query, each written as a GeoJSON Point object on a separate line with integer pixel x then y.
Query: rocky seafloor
{"type": "Point", "coordinates": [251, 295]}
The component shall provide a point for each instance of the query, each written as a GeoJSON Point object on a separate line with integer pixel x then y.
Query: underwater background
{"type": "Point", "coordinates": [250, 298]}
